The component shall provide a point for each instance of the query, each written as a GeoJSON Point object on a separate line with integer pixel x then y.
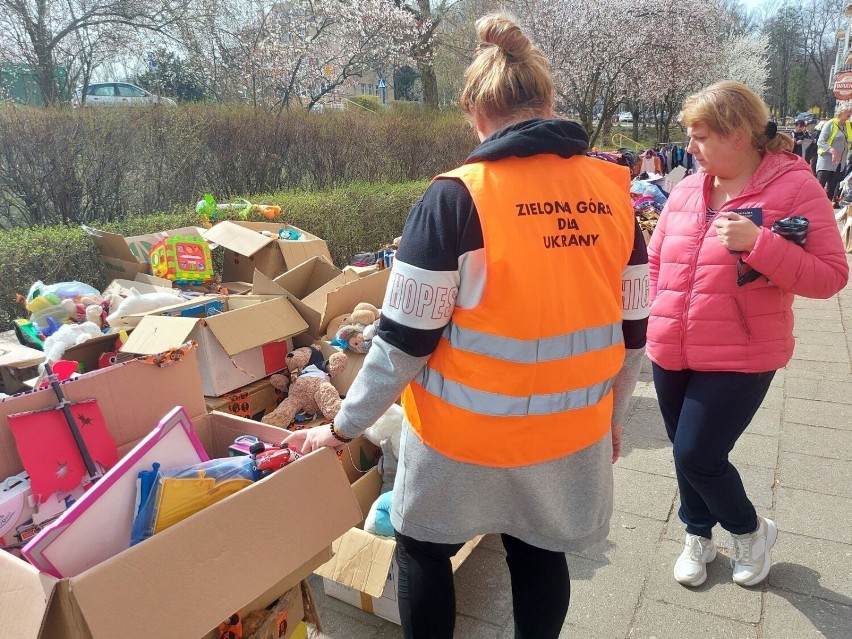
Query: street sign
{"type": "Point", "coordinates": [381, 83]}
{"type": "Point", "coordinates": [843, 85]}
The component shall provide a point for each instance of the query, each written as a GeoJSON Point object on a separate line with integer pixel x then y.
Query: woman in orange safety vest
{"type": "Point", "coordinates": [519, 285]}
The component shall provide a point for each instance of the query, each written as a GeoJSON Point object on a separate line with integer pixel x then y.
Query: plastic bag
{"type": "Point", "coordinates": [168, 496]}
{"type": "Point", "coordinates": [64, 290]}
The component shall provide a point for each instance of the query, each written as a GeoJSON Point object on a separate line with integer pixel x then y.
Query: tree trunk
{"type": "Point", "coordinates": [430, 83]}
{"type": "Point", "coordinates": [45, 76]}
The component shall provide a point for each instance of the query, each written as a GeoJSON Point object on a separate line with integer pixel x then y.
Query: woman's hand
{"type": "Point", "coordinates": [735, 232]}
{"type": "Point", "coordinates": [311, 439]}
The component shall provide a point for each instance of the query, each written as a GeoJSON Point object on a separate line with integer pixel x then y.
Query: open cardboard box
{"type": "Point", "coordinates": [185, 580]}
{"type": "Point", "coordinates": [363, 571]}
{"type": "Point", "coordinates": [247, 342]}
{"type": "Point", "coordinates": [246, 249]}
{"type": "Point", "coordinates": [127, 257]}
{"type": "Point", "coordinates": [320, 291]}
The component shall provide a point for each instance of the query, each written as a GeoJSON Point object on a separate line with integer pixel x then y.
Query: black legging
{"type": "Point", "coordinates": [541, 589]}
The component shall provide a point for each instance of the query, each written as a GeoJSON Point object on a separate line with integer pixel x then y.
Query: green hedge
{"type": "Point", "coordinates": [352, 219]}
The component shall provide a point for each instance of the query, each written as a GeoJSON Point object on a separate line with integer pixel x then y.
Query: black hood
{"type": "Point", "coordinates": [533, 137]}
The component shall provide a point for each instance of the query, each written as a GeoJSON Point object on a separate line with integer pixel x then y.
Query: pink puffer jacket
{"type": "Point", "coordinates": [700, 319]}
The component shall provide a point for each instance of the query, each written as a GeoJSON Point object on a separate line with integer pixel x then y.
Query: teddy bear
{"type": "Point", "coordinates": [308, 386]}
{"type": "Point", "coordinates": [357, 330]}
{"type": "Point", "coordinates": [363, 314]}
{"type": "Point", "coordinates": [385, 433]}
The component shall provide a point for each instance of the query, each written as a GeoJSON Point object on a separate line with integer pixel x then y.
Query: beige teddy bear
{"type": "Point", "coordinates": [310, 388]}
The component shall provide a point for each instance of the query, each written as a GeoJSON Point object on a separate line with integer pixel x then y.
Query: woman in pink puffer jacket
{"type": "Point", "coordinates": [716, 344]}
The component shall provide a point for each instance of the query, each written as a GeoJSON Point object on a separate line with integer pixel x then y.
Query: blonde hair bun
{"type": "Point", "coordinates": [502, 32]}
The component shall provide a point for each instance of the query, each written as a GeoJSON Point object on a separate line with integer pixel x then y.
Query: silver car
{"type": "Point", "coordinates": [117, 94]}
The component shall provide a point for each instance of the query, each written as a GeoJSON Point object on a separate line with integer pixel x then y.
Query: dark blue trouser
{"type": "Point", "coordinates": [541, 588]}
{"type": "Point", "coordinates": [705, 413]}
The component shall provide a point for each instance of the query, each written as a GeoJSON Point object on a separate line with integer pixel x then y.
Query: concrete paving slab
{"type": "Point", "coordinates": [791, 615]}
{"type": "Point", "coordinates": [813, 413]}
{"type": "Point", "coordinates": [829, 313]}
{"type": "Point", "coordinates": [759, 483]}
{"type": "Point", "coordinates": [483, 590]}
{"type": "Point", "coordinates": [767, 421]}
{"type": "Point", "coordinates": [631, 542]}
{"type": "Point", "coordinates": [817, 325]}
{"type": "Point", "coordinates": [813, 515]}
{"type": "Point", "coordinates": [661, 620]}
{"type": "Point", "coordinates": [643, 494]}
{"type": "Point", "coordinates": [647, 422]}
{"type": "Point", "coordinates": [817, 441]}
{"type": "Point", "coordinates": [820, 389]}
{"type": "Point", "coordinates": [818, 474]}
{"type": "Point", "coordinates": [718, 595]}
{"type": "Point", "coordinates": [603, 596]}
{"type": "Point", "coordinates": [820, 353]}
{"type": "Point", "coordinates": [818, 338]}
{"type": "Point", "coordinates": [813, 567]}
{"type": "Point", "coordinates": [756, 450]}
{"type": "Point", "coordinates": [647, 455]}
{"type": "Point", "coordinates": [810, 366]}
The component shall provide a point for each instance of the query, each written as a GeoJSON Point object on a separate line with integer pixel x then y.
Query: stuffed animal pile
{"type": "Point", "coordinates": [355, 331]}
{"type": "Point", "coordinates": [308, 386]}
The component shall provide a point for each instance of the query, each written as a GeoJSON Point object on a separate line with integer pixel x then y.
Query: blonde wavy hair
{"type": "Point", "coordinates": [727, 107]}
{"type": "Point", "coordinates": [509, 78]}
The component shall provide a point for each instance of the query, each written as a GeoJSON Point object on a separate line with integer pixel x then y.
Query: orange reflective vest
{"type": "Point", "coordinates": [526, 376]}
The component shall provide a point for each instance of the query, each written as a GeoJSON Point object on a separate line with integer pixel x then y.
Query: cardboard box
{"type": "Point", "coordinates": [17, 363]}
{"type": "Point", "coordinates": [252, 401]}
{"type": "Point", "coordinates": [184, 581]}
{"type": "Point", "coordinates": [320, 291]}
{"type": "Point", "coordinates": [245, 343]}
{"type": "Point", "coordinates": [246, 249]}
{"type": "Point", "coordinates": [295, 611]}
{"type": "Point", "coordinates": [127, 257]}
{"type": "Point", "coordinates": [363, 571]}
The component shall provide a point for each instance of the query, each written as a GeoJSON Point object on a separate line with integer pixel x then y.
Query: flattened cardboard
{"type": "Point", "coordinates": [194, 574]}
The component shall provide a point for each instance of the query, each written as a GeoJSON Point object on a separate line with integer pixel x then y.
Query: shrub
{"type": "Point", "coordinates": [98, 165]}
{"type": "Point", "coordinates": [360, 217]}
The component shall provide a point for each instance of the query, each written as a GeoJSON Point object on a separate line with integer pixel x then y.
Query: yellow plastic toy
{"type": "Point", "coordinates": [182, 259]}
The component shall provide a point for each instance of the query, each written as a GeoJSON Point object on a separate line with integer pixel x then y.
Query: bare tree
{"type": "Point", "coordinates": [37, 29]}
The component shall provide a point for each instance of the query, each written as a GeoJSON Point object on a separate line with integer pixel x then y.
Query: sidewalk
{"type": "Point", "coordinates": [796, 461]}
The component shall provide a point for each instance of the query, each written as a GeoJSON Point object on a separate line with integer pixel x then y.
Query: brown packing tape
{"type": "Point", "coordinates": [366, 602]}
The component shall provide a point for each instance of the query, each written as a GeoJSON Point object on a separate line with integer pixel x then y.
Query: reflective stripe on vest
{"type": "Point", "coordinates": [526, 376]}
{"type": "Point", "coordinates": [834, 129]}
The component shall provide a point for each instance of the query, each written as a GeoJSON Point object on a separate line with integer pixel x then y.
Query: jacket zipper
{"type": "Point", "coordinates": [741, 314]}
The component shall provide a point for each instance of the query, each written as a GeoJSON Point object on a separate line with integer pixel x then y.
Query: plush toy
{"type": "Point", "coordinates": [137, 302]}
{"type": "Point", "coordinates": [310, 389]}
{"type": "Point", "coordinates": [385, 433]}
{"type": "Point", "coordinates": [378, 519]}
{"type": "Point", "coordinates": [67, 336]}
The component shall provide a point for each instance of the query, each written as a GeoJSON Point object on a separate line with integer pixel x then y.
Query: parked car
{"type": "Point", "coordinates": [117, 94]}
{"type": "Point", "coordinates": [625, 116]}
{"type": "Point", "coordinates": [807, 117]}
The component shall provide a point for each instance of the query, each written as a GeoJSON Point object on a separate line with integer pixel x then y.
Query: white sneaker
{"type": "Point", "coordinates": [690, 569]}
{"type": "Point", "coordinates": [750, 553]}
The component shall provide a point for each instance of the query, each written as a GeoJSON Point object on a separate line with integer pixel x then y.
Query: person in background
{"type": "Point", "coordinates": [505, 328]}
{"type": "Point", "coordinates": [800, 134]}
{"type": "Point", "coordinates": [714, 344]}
{"type": "Point", "coordinates": [833, 149]}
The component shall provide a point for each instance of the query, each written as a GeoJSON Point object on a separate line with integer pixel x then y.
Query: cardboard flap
{"type": "Point", "coordinates": [25, 594]}
{"type": "Point", "coordinates": [361, 561]}
{"type": "Point", "coordinates": [111, 244]}
{"type": "Point", "coordinates": [237, 238]}
{"type": "Point", "coordinates": [14, 355]}
{"type": "Point", "coordinates": [243, 328]}
{"type": "Point", "coordinates": [245, 544]}
{"type": "Point", "coordinates": [157, 333]}
{"type": "Point", "coordinates": [343, 299]}
{"type": "Point", "coordinates": [265, 285]}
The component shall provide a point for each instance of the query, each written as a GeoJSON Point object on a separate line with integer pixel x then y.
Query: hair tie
{"type": "Point", "coordinates": [771, 130]}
